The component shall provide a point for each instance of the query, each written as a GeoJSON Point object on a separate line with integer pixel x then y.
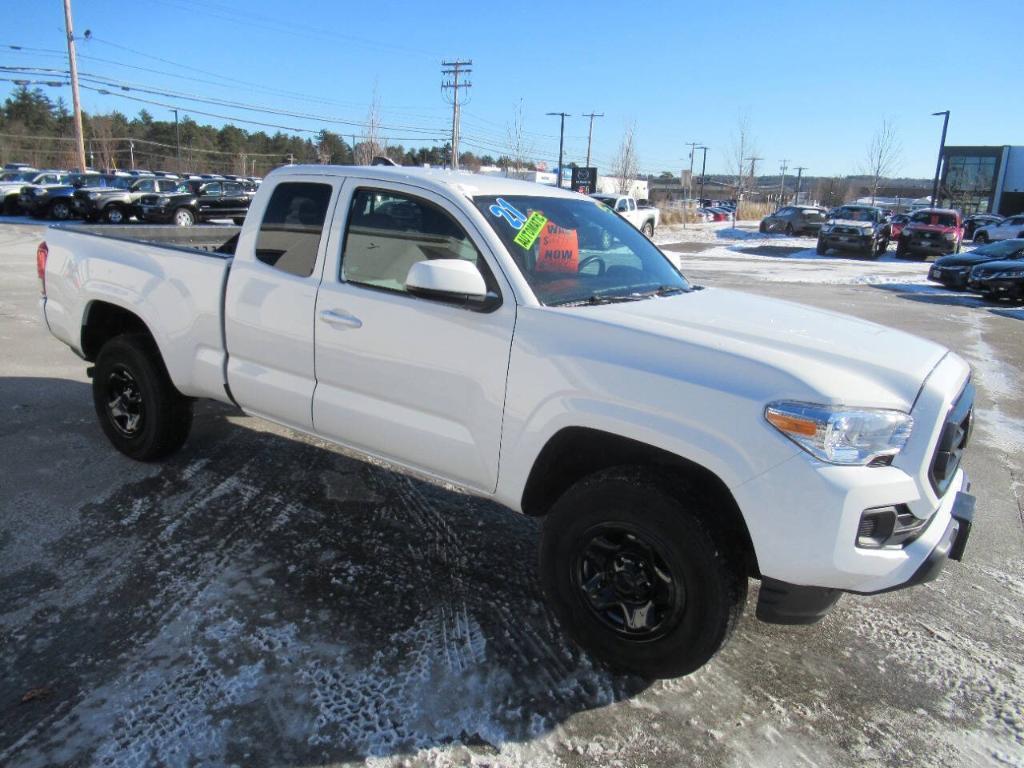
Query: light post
{"type": "Point", "coordinates": [177, 140]}
{"type": "Point", "coordinates": [938, 163]}
{"type": "Point", "coordinates": [561, 142]}
{"type": "Point", "coordinates": [703, 166]}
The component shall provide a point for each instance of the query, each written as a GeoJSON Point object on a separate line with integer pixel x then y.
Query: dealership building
{"type": "Point", "coordinates": [983, 179]}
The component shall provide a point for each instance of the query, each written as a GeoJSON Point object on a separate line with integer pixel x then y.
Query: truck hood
{"type": "Point", "coordinates": [852, 222]}
{"type": "Point", "coordinates": [829, 356]}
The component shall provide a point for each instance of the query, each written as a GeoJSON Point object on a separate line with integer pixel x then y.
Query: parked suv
{"type": "Point", "coordinates": [931, 231]}
{"type": "Point", "coordinates": [794, 220]}
{"type": "Point", "coordinates": [116, 204]}
{"type": "Point", "coordinates": [861, 228]}
{"type": "Point", "coordinates": [1003, 230]}
{"type": "Point", "coordinates": [194, 200]}
{"type": "Point", "coordinates": [954, 271]}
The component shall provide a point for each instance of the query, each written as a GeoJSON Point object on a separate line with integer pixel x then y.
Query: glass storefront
{"type": "Point", "coordinates": [969, 176]}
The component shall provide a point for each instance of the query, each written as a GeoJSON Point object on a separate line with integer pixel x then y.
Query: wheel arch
{"type": "Point", "coordinates": [575, 452]}
{"type": "Point", "coordinates": [103, 320]}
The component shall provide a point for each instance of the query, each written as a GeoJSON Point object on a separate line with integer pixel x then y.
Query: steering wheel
{"type": "Point", "coordinates": [590, 259]}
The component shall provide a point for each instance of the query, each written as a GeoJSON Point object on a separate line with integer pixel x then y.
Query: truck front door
{"type": "Point", "coordinates": [415, 381]}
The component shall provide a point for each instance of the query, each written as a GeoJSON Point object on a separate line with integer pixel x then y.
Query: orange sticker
{"type": "Point", "coordinates": [559, 250]}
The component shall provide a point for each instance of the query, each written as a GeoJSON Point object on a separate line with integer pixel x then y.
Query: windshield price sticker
{"type": "Point", "coordinates": [503, 209]}
{"type": "Point", "coordinates": [531, 230]}
{"type": "Point", "coordinates": [559, 250]}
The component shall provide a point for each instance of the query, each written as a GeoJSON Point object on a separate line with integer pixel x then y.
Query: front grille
{"type": "Point", "coordinates": [839, 230]}
{"type": "Point", "coordinates": [956, 432]}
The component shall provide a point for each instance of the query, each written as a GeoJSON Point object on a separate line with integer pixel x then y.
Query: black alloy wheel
{"type": "Point", "coordinates": [626, 582]}
{"type": "Point", "coordinates": [124, 402]}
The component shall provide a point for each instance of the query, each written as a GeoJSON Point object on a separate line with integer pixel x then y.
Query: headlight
{"type": "Point", "coordinates": [841, 435]}
{"type": "Point", "coordinates": [950, 235]}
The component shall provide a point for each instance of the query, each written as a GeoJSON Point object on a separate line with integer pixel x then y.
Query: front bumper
{"type": "Point", "coordinates": [930, 245]}
{"type": "Point", "coordinates": [1000, 286]}
{"type": "Point", "coordinates": [953, 277]}
{"type": "Point", "coordinates": [780, 602]}
{"type": "Point", "coordinates": [153, 213]}
{"type": "Point", "coordinates": [847, 242]}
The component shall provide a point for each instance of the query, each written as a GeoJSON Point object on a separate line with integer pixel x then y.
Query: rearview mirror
{"type": "Point", "coordinates": [455, 281]}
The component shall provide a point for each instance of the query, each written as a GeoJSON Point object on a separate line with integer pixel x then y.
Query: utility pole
{"type": "Point", "coordinates": [590, 133]}
{"type": "Point", "coordinates": [177, 139]}
{"type": "Point", "coordinates": [453, 69]}
{"type": "Point", "coordinates": [782, 183]}
{"type": "Point", "coordinates": [703, 166]}
{"type": "Point", "coordinates": [799, 173]}
{"type": "Point", "coordinates": [76, 103]}
{"type": "Point", "coordinates": [753, 166]}
{"type": "Point", "coordinates": [561, 142]}
{"type": "Point", "coordinates": [938, 164]}
{"type": "Point", "coordinates": [689, 181]}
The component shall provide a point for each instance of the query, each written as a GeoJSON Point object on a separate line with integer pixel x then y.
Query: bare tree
{"type": "Point", "coordinates": [743, 148]}
{"type": "Point", "coordinates": [519, 147]}
{"type": "Point", "coordinates": [373, 143]}
{"type": "Point", "coordinates": [625, 166]}
{"type": "Point", "coordinates": [883, 156]}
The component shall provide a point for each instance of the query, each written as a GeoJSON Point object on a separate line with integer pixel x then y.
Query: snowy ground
{"type": "Point", "coordinates": [262, 599]}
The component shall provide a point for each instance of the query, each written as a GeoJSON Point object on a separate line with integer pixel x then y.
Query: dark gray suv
{"type": "Point", "coordinates": [794, 220]}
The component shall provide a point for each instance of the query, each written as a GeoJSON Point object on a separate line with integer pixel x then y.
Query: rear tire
{"type": "Point", "coordinates": [183, 217]}
{"type": "Point", "coordinates": [636, 575]}
{"type": "Point", "coordinates": [648, 229]}
{"type": "Point", "coordinates": [140, 411]}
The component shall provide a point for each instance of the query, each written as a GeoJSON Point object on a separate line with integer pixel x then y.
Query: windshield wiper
{"type": "Point", "coordinates": [595, 299]}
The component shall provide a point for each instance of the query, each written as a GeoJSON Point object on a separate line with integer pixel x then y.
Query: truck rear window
{"type": "Point", "coordinates": [289, 237]}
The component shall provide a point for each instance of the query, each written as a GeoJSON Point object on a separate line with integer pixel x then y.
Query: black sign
{"type": "Point", "coordinates": [584, 180]}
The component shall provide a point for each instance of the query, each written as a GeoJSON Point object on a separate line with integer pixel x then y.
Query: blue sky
{"type": "Point", "coordinates": [815, 79]}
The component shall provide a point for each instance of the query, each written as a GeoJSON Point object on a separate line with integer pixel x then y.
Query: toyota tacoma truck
{"type": "Point", "coordinates": [861, 228]}
{"type": "Point", "coordinates": [645, 219]}
{"type": "Point", "coordinates": [526, 344]}
{"type": "Point", "coordinates": [931, 232]}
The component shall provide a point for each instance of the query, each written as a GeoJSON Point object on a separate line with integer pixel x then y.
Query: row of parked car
{"type": "Point", "coordinates": [116, 197]}
{"type": "Point", "coordinates": [868, 229]}
{"type": "Point", "coordinates": [995, 270]}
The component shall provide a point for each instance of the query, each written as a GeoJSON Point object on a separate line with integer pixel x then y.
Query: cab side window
{"type": "Point", "coordinates": [289, 236]}
{"type": "Point", "coordinates": [212, 190]}
{"type": "Point", "coordinates": [388, 232]}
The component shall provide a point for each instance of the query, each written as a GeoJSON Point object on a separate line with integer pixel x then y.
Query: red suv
{"type": "Point", "coordinates": [936, 231]}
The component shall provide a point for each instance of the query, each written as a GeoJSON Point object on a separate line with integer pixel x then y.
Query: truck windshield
{"type": "Point", "coordinates": [576, 251]}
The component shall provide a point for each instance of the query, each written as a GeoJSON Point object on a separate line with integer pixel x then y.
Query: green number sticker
{"type": "Point", "coordinates": [531, 230]}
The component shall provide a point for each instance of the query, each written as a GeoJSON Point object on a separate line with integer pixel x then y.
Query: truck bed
{"type": "Point", "coordinates": [171, 278]}
{"type": "Point", "coordinates": [208, 238]}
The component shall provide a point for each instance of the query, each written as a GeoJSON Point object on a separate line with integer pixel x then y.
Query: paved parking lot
{"type": "Point", "coordinates": [263, 599]}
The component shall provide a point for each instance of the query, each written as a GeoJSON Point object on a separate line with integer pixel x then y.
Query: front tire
{"type": "Point", "coordinates": [60, 210]}
{"type": "Point", "coordinates": [115, 214]}
{"type": "Point", "coordinates": [141, 412]}
{"type": "Point", "coordinates": [636, 576]}
{"type": "Point", "coordinates": [183, 217]}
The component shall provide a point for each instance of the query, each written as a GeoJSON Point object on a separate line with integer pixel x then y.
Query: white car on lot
{"type": "Point", "coordinates": [1008, 228]}
{"type": "Point", "coordinates": [645, 219]}
{"type": "Point", "coordinates": [525, 344]}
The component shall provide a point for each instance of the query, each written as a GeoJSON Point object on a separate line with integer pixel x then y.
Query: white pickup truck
{"type": "Point", "coordinates": [526, 344]}
{"type": "Point", "coordinates": [644, 218]}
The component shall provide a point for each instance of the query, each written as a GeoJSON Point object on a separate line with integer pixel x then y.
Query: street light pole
{"type": "Point", "coordinates": [938, 163]}
{"type": "Point", "coordinates": [561, 142]}
{"type": "Point", "coordinates": [177, 140]}
{"type": "Point", "coordinates": [703, 166]}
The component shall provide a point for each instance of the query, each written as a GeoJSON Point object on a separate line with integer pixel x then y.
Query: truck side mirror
{"type": "Point", "coordinates": [455, 281]}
